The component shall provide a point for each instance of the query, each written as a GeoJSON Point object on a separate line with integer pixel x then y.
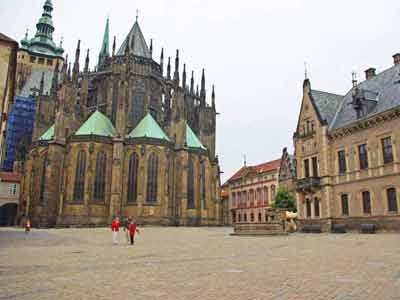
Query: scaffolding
{"type": "Point", "coordinates": [19, 127]}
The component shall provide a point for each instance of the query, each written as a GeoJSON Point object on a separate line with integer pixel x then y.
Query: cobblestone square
{"type": "Point", "coordinates": [197, 263]}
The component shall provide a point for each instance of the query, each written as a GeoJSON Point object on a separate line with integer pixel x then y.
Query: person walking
{"type": "Point", "coordinates": [115, 229]}
{"type": "Point", "coordinates": [27, 225]}
{"type": "Point", "coordinates": [133, 230]}
{"type": "Point", "coordinates": [127, 222]}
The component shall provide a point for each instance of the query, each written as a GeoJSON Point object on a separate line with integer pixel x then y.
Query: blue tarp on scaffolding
{"type": "Point", "coordinates": [19, 127]}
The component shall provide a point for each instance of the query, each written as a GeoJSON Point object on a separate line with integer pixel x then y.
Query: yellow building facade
{"type": "Point", "coordinates": [347, 153]}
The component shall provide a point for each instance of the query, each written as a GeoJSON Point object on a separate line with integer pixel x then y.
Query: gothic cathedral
{"type": "Point", "coordinates": [122, 140]}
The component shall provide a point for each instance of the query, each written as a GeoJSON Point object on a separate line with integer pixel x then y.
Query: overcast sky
{"type": "Point", "coordinates": [253, 51]}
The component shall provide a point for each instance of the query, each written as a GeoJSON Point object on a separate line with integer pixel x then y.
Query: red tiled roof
{"type": "Point", "coordinates": [261, 168]}
{"type": "Point", "coordinates": [10, 176]}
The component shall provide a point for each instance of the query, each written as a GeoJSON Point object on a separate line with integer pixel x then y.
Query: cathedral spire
{"type": "Point", "coordinates": [128, 45]}
{"type": "Point", "coordinates": [184, 77]}
{"type": "Point", "coordinates": [105, 45]}
{"type": "Point", "coordinates": [45, 26]}
{"type": "Point", "coordinates": [87, 62]}
{"type": "Point", "coordinates": [75, 71]}
{"type": "Point", "coordinates": [176, 73]}
{"type": "Point", "coordinates": [151, 47]}
{"type": "Point", "coordinates": [169, 68]}
{"type": "Point", "coordinates": [69, 71]}
{"type": "Point", "coordinates": [114, 45]}
{"type": "Point", "coordinates": [192, 84]}
{"type": "Point", "coordinates": [54, 83]}
{"type": "Point", "coordinates": [203, 90]}
{"type": "Point", "coordinates": [162, 61]}
{"type": "Point", "coordinates": [213, 98]}
{"type": "Point", "coordinates": [65, 65]}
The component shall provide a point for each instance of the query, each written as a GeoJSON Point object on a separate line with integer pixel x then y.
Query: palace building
{"type": "Point", "coordinates": [130, 138]}
{"type": "Point", "coordinates": [347, 152]}
{"type": "Point", "coordinates": [251, 191]}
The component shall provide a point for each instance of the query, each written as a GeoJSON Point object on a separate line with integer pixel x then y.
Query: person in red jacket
{"type": "Point", "coordinates": [132, 230]}
{"type": "Point", "coordinates": [114, 230]}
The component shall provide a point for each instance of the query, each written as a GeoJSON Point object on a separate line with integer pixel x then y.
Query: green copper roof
{"type": "Point", "coordinates": [97, 124]}
{"type": "Point", "coordinates": [192, 140]}
{"type": "Point", "coordinates": [48, 135]}
{"type": "Point", "coordinates": [42, 43]}
{"type": "Point", "coordinates": [148, 128]}
{"type": "Point", "coordinates": [106, 40]}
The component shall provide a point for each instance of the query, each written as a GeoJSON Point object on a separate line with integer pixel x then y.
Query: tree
{"type": "Point", "coordinates": [285, 200]}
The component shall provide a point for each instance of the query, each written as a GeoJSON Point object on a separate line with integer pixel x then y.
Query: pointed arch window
{"type": "Point", "coordinates": [100, 177]}
{"type": "Point", "coordinates": [152, 176]}
{"type": "Point", "coordinates": [43, 181]}
{"type": "Point", "coordinates": [79, 187]}
{"type": "Point", "coordinates": [190, 185]}
{"type": "Point", "coordinates": [133, 177]}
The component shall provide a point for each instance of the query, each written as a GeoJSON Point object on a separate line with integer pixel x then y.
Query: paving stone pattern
{"type": "Point", "coordinates": [197, 263]}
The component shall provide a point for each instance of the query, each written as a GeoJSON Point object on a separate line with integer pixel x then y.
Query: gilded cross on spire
{"type": "Point", "coordinates": [137, 15]}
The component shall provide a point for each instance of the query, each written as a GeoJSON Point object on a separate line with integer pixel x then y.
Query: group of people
{"type": "Point", "coordinates": [129, 227]}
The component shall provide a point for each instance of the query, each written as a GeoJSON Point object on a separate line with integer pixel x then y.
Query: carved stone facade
{"type": "Point", "coordinates": [126, 141]}
{"type": "Point", "coordinates": [348, 154]}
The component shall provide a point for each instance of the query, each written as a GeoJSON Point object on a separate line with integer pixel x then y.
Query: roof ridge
{"type": "Point", "coordinates": [330, 93]}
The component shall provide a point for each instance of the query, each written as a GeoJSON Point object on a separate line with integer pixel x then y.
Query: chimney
{"type": "Point", "coordinates": [396, 59]}
{"type": "Point", "coordinates": [370, 73]}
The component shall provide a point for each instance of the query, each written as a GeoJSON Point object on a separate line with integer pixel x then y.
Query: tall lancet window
{"type": "Point", "coordinates": [79, 187]}
{"type": "Point", "coordinates": [100, 179]}
{"type": "Point", "coordinates": [133, 177]}
{"type": "Point", "coordinates": [43, 181]}
{"type": "Point", "coordinates": [152, 177]}
{"type": "Point", "coordinates": [138, 103]}
{"type": "Point", "coordinates": [190, 185]}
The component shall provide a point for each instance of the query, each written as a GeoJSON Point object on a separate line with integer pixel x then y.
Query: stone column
{"type": "Point", "coordinates": [52, 185]}
{"type": "Point", "coordinates": [116, 178]}
{"type": "Point", "coordinates": [181, 193]}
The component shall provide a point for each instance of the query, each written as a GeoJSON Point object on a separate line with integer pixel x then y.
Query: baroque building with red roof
{"type": "Point", "coordinates": [251, 190]}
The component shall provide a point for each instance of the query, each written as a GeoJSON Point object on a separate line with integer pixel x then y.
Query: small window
{"type": "Point", "coordinates": [252, 217]}
{"type": "Point", "coordinates": [12, 189]}
{"type": "Point", "coordinates": [240, 217]}
{"type": "Point", "coordinates": [41, 61]}
{"type": "Point", "coordinates": [392, 199]}
{"type": "Point", "coordinates": [387, 150]}
{"type": "Point", "coordinates": [259, 217]}
{"type": "Point", "coordinates": [49, 62]}
{"type": "Point", "coordinates": [245, 217]}
{"type": "Point", "coordinates": [342, 161]}
{"type": "Point", "coordinates": [272, 192]}
{"type": "Point", "coordinates": [345, 205]}
{"type": "Point", "coordinates": [308, 208]}
{"type": "Point", "coordinates": [32, 59]}
{"type": "Point", "coordinates": [363, 156]}
{"type": "Point", "coordinates": [366, 198]}
{"type": "Point", "coordinates": [316, 207]}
